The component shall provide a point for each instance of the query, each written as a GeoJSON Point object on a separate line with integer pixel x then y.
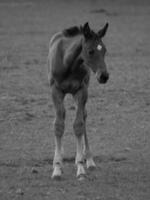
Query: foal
{"type": "Point", "coordinates": [73, 53]}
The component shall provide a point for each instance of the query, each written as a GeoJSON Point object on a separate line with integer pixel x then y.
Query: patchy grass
{"type": "Point", "coordinates": [118, 113]}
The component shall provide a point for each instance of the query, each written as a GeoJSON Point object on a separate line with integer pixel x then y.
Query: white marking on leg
{"type": "Point", "coordinates": [87, 153]}
{"type": "Point", "coordinates": [58, 154]}
{"type": "Point", "coordinates": [79, 154]}
{"type": "Point", "coordinates": [57, 163]}
{"type": "Point", "coordinates": [79, 157]}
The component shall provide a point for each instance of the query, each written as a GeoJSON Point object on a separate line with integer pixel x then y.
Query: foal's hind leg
{"type": "Point", "coordinates": [58, 97]}
{"type": "Point", "coordinates": [79, 129]}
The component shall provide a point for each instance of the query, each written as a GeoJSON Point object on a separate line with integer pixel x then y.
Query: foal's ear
{"type": "Point", "coordinates": [86, 30]}
{"type": "Point", "coordinates": [103, 31]}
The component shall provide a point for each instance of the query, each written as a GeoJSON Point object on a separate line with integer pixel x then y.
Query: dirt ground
{"type": "Point", "coordinates": [118, 122]}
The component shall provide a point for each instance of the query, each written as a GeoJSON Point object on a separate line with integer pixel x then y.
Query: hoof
{"type": "Point", "coordinates": [56, 177]}
{"type": "Point", "coordinates": [81, 177]}
{"type": "Point", "coordinates": [91, 168]}
{"type": "Point", "coordinates": [90, 164]}
{"type": "Point", "coordinates": [57, 173]}
{"type": "Point", "coordinates": [80, 170]}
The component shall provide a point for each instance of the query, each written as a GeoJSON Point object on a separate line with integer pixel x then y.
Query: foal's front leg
{"type": "Point", "coordinates": [58, 97]}
{"type": "Point", "coordinates": [79, 129]}
{"type": "Point", "coordinates": [87, 152]}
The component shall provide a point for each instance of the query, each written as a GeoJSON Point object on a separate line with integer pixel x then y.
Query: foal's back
{"type": "Point", "coordinates": [60, 46]}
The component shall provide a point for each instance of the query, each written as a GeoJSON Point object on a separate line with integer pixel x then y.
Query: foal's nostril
{"type": "Point", "coordinates": [104, 78]}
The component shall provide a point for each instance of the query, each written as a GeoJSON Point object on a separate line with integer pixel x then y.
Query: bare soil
{"type": "Point", "coordinates": [118, 122]}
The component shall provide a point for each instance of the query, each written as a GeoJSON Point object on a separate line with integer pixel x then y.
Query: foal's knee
{"type": "Point", "coordinates": [59, 123]}
{"type": "Point", "coordinates": [79, 127]}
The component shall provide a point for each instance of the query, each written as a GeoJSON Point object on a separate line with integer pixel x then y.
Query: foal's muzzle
{"type": "Point", "coordinates": [103, 78]}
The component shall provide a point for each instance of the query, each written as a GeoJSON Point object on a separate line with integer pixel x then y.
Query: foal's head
{"type": "Point", "coordinates": [94, 52]}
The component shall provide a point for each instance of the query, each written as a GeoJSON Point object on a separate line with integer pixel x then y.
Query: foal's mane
{"type": "Point", "coordinates": [72, 31]}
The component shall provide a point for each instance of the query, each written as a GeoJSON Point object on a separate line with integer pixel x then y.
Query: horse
{"type": "Point", "coordinates": [73, 54]}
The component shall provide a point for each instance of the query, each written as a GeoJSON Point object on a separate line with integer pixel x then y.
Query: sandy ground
{"type": "Point", "coordinates": [118, 122]}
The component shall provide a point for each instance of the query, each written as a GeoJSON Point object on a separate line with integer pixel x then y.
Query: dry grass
{"type": "Point", "coordinates": [119, 113]}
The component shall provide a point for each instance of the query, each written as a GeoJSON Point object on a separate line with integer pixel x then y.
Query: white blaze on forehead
{"type": "Point", "coordinates": [99, 47]}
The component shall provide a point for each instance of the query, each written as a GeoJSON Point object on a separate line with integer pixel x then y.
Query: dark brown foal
{"type": "Point", "coordinates": [73, 53]}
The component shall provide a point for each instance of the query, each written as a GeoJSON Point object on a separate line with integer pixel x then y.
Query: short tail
{"type": "Point", "coordinates": [72, 31]}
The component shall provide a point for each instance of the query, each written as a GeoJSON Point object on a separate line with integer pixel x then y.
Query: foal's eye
{"type": "Point", "coordinates": [91, 52]}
